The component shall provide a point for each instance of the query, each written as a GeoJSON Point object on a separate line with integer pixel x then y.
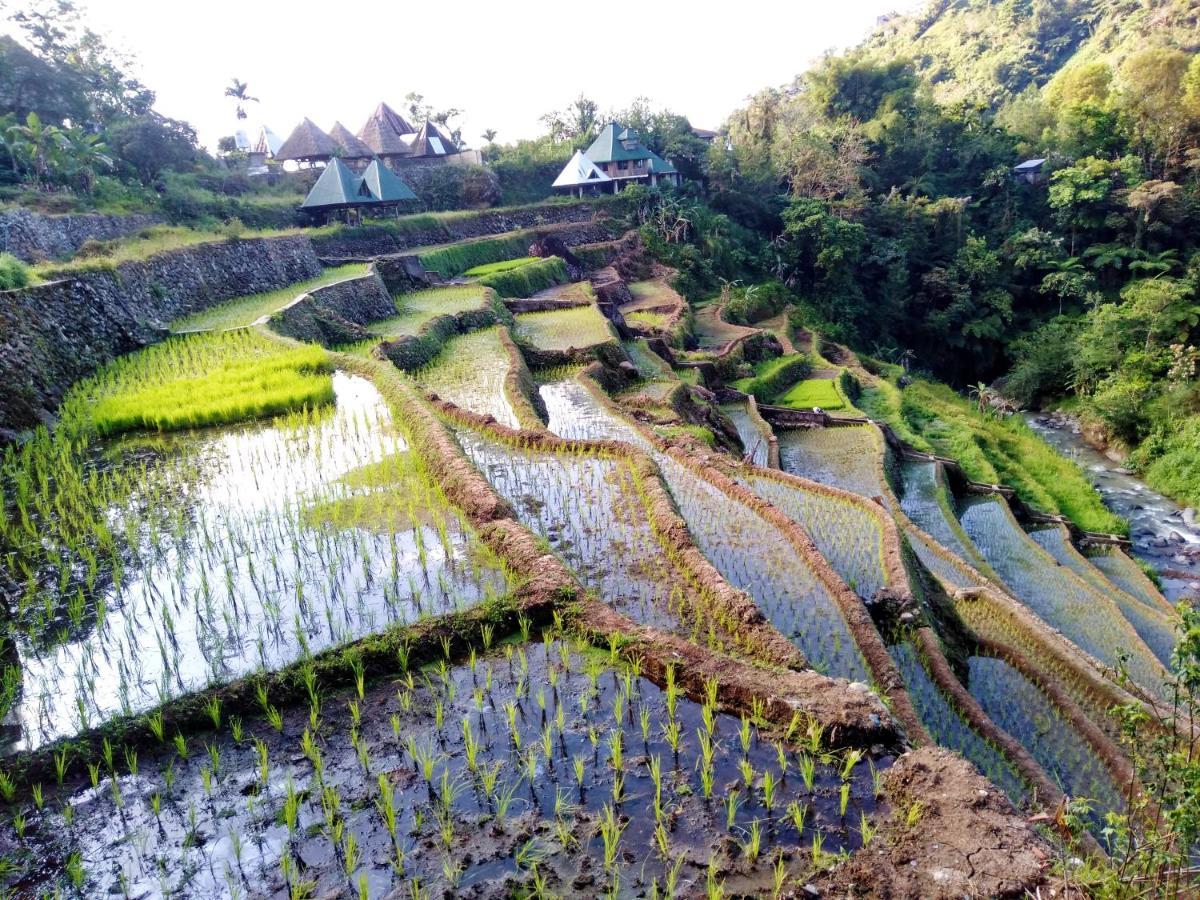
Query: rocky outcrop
{"type": "Point", "coordinates": [34, 237]}
{"type": "Point", "coordinates": [51, 335]}
{"type": "Point", "coordinates": [336, 313]}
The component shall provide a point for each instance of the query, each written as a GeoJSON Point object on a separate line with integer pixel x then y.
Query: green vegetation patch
{"type": "Point", "coordinates": [646, 318]}
{"type": "Point", "coordinates": [455, 259]}
{"type": "Point", "coordinates": [773, 377]}
{"type": "Point", "coordinates": [564, 329]}
{"type": "Point", "coordinates": [208, 378]}
{"type": "Point", "coordinates": [822, 392]}
{"type": "Point", "coordinates": [502, 266]}
{"type": "Point", "coordinates": [241, 312]}
{"type": "Point", "coordinates": [416, 309]}
{"type": "Point", "coordinates": [528, 279]}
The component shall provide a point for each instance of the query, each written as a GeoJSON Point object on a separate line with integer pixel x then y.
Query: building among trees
{"type": "Point", "coordinates": [616, 158]}
{"type": "Point", "coordinates": [343, 193]}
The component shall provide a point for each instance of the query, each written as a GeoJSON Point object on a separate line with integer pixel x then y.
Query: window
{"type": "Point", "coordinates": [623, 165]}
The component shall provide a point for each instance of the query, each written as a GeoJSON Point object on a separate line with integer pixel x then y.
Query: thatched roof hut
{"type": "Point", "coordinates": [384, 132]}
{"type": "Point", "coordinates": [351, 146]}
{"type": "Point", "coordinates": [307, 143]}
{"type": "Point", "coordinates": [430, 141]}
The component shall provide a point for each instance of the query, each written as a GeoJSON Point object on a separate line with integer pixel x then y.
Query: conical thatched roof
{"type": "Point", "coordinates": [352, 147]}
{"type": "Point", "coordinates": [307, 141]}
{"type": "Point", "coordinates": [430, 141]}
{"type": "Point", "coordinates": [382, 138]}
{"type": "Point", "coordinates": [398, 122]}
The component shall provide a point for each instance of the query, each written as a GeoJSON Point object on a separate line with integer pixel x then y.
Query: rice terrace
{"type": "Point", "coordinates": [803, 508]}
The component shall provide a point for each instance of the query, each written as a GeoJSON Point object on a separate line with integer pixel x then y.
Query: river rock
{"type": "Point", "coordinates": [1189, 516]}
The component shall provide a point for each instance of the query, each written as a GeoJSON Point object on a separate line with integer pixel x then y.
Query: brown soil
{"type": "Point", "coordinates": [967, 839]}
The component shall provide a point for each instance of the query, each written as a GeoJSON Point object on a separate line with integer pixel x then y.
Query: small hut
{"type": "Point", "coordinates": [384, 132]}
{"type": "Point", "coordinates": [307, 145]}
{"type": "Point", "coordinates": [351, 149]}
{"type": "Point", "coordinates": [582, 176]}
{"type": "Point", "coordinates": [341, 192]}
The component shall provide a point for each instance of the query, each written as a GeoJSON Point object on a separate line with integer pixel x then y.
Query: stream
{"type": "Point", "coordinates": [1157, 527]}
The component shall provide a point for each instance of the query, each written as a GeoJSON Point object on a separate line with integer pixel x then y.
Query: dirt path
{"type": "Point", "coordinates": [778, 326]}
{"type": "Point", "coordinates": [713, 331]}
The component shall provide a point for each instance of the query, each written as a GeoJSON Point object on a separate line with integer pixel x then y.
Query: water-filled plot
{"type": "Point", "coordinates": [1125, 574]}
{"type": "Point", "coordinates": [1060, 598]}
{"type": "Point", "coordinates": [846, 534]}
{"type": "Point", "coordinates": [240, 548]}
{"type": "Point", "coordinates": [469, 372]}
{"type": "Point", "coordinates": [949, 728]}
{"type": "Point", "coordinates": [927, 501]}
{"type": "Point", "coordinates": [573, 328]}
{"type": "Point", "coordinates": [848, 457]}
{"type": "Point", "coordinates": [588, 508]}
{"type": "Point", "coordinates": [755, 440]}
{"type": "Point", "coordinates": [414, 311]}
{"type": "Point", "coordinates": [1153, 626]}
{"type": "Point", "coordinates": [1014, 703]}
{"type": "Point", "coordinates": [532, 761]}
{"type": "Point", "coordinates": [749, 552]}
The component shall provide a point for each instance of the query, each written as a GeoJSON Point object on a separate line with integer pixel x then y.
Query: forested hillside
{"type": "Point", "coordinates": [879, 187]}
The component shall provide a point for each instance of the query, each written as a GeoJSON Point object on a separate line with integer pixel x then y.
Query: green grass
{"type": "Point", "coordinates": [208, 378]}
{"type": "Point", "coordinates": [502, 266]}
{"type": "Point", "coordinates": [812, 392]}
{"type": "Point", "coordinates": [562, 329]}
{"type": "Point", "coordinates": [449, 260]}
{"type": "Point", "coordinates": [773, 377]}
{"type": "Point", "coordinates": [414, 310]}
{"type": "Point", "coordinates": [243, 311]}
{"type": "Point", "coordinates": [1175, 469]}
{"type": "Point", "coordinates": [529, 278]}
{"type": "Point", "coordinates": [655, 320]}
{"type": "Point", "coordinates": [991, 449]}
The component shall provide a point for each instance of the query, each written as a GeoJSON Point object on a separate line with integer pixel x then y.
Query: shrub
{"type": "Point", "coordinates": [13, 273]}
{"type": "Point", "coordinates": [775, 376]}
{"type": "Point", "coordinates": [755, 303]}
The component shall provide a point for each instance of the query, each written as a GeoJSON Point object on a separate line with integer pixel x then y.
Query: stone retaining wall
{"type": "Point", "coordinates": [53, 334]}
{"type": "Point", "coordinates": [34, 237]}
{"type": "Point", "coordinates": [336, 313]}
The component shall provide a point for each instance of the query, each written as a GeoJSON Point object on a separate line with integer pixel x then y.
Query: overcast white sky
{"type": "Point", "coordinates": [503, 63]}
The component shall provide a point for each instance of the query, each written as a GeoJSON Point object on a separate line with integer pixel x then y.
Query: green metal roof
{"type": "Point", "coordinates": [608, 148]}
{"type": "Point", "coordinates": [385, 184]}
{"type": "Point", "coordinates": [340, 186]}
{"type": "Point", "coordinates": [660, 166]}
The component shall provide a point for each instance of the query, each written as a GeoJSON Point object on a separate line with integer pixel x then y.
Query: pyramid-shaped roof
{"type": "Point", "coordinates": [268, 142]}
{"type": "Point", "coordinates": [386, 185]}
{"type": "Point", "coordinates": [430, 141]}
{"type": "Point", "coordinates": [351, 146]}
{"type": "Point", "coordinates": [398, 123]}
{"type": "Point", "coordinates": [307, 141]}
{"type": "Point", "coordinates": [579, 171]}
{"type": "Point", "coordinates": [384, 132]}
{"type": "Point", "coordinates": [337, 186]}
{"type": "Point", "coordinates": [608, 146]}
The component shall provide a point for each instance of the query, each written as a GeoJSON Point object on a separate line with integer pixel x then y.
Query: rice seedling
{"type": "Point", "coordinates": [470, 371]}
{"type": "Point", "coordinates": [846, 457]}
{"type": "Point", "coordinates": [576, 327]}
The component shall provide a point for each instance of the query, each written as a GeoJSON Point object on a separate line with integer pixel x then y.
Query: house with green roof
{"type": "Point", "coordinates": [341, 192]}
{"type": "Point", "coordinates": [618, 155]}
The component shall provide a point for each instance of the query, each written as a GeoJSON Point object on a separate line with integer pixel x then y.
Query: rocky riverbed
{"type": "Point", "coordinates": [1164, 534]}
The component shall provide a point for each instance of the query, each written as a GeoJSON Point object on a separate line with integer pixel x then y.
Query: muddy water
{"type": "Point", "coordinates": [754, 440]}
{"type": "Point", "coordinates": [551, 731]}
{"type": "Point", "coordinates": [1160, 535]}
{"type": "Point", "coordinates": [278, 551]}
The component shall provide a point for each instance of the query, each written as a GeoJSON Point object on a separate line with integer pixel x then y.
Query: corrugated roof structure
{"type": "Point", "coordinates": [351, 146]}
{"type": "Point", "coordinates": [616, 143]}
{"type": "Point", "coordinates": [307, 142]}
{"type": "Point", "coordinates": [580, 171]}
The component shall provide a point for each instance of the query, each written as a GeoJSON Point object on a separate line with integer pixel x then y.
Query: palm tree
{"type": "Point", "coordinates": [489, 135]}
{"type": "Point", "coordinates": [238, 91]}
{"type": "Point", "coordinates": [982, 394]}
{"type": "Point", "coordinates": [35, 144]}
{"type": "Point", "coordinates": [84, 154]}
{"type": "Point", "coordinates": [1157, 263]}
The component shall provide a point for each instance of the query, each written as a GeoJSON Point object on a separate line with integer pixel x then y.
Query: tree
{"type": "Point", "coordinates": [85, 154]}
{"type": "Point", "coordinates": [34, 145]}
{"type": "Point", "coordinates": [1082, 195]}
{"type": "Point", "coordinates": [238, 91]}
{"type": "Point", "coordinates": [489, 135]}
{"type": "Point", "coordinates": [1152, 86]}
{"type": "Point", "coordinates": [577, 123]}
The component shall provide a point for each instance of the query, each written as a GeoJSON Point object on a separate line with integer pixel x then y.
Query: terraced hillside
{"type": "Point", "coordinates": [504, 603]}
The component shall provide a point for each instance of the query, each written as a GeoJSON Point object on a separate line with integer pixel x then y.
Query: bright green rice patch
{"type": "Point", "coordinates": [241, 312]}
{"type": "Point", "coordinates": [774, 376]}
{"type": "Point", "coordinates": [648, 319]}
{"type": "Point", "coordinates": [694, 431]}
{"type": "Point", "coordinates": [414, 310]}
{"type": "Point", "coordinates": [563, 329]}
{"type": "Point", "coordinates": [502, 266]}
{"type": "Point", "coordinates": [382, 501]}
{"type": "Point", "coordinates": [812, 392]}
{"type": "Point", "coordinates": [208, 378]}
{"type": "Point", "coordinates": [529, 279]}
